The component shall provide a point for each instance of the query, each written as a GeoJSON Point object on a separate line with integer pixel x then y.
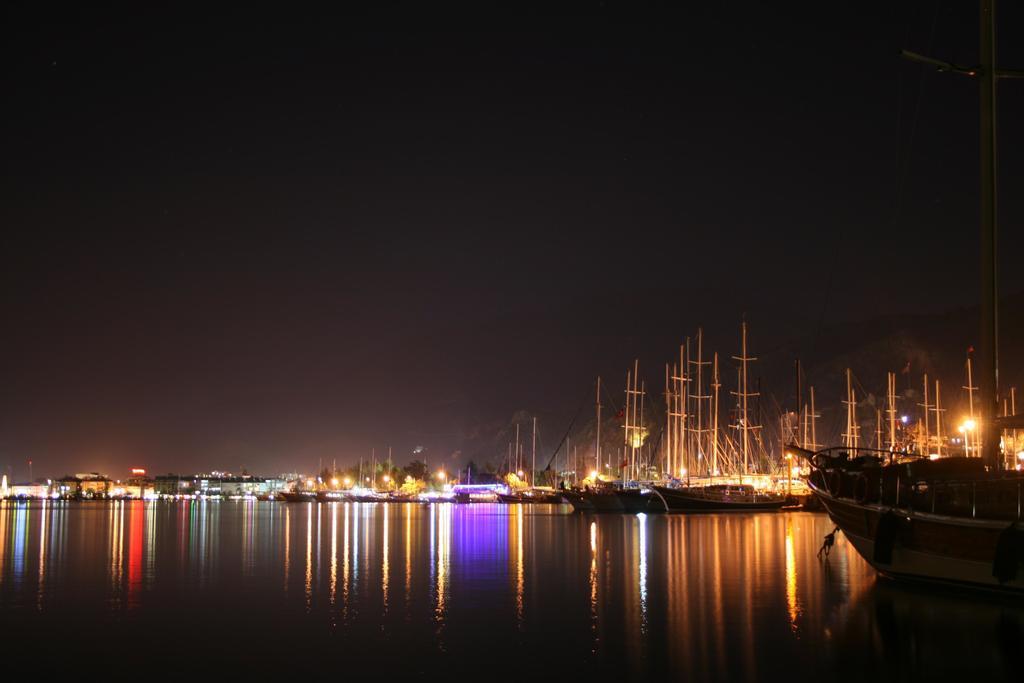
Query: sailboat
{"type": "Point", "coordinates": [628, 494]}
{"type": "Point", "coordinates": [708, 495]}
{"type": "Point", "coordinates": [532, 494]}
{"type": "Point", "coordinates": [951, 520]}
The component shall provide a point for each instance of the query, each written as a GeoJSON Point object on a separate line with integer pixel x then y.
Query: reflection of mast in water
{"type": "Point", "coordinates": [309, 557]}
{"type": "Point", "coordinates": [319, 539]}
{"type": "Point", "coordinates": [287, 544]}
{"type": "Point", "coordinates": [791, 601]}
{"type": "Point", "coordinates": [408, 554]}
{"type": "Point", "coordinates": [593, 587]}
{"type": "Point", "coordinates": [20, 539]}
{"type": "Point", "coordinates": [444, 537]}
{"type": "Point", "coordinates": [42, 554]}
{"type": "Point", "coordinates": [334, 554]}
{"type": "Point", "coordinates": [384, 565]}
{"type": "Point", "coordinates": [642, 570]}
{"type": "Point", "coordinates": [346, 567]}
{"type": "Point", "coordinates": [116, 547]}
{"type": "Point", "coordinates": [519, 565]}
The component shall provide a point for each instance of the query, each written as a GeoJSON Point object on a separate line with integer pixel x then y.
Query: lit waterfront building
{"type": "Point", "coordinates": [29, 490]}
{"type": "Point", "coordinates": [216, 484]}
{"type": "Point", "coordinates": [93, 484]}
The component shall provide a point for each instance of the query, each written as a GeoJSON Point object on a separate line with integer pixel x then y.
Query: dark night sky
{"type": "Point", "coordinates": [264, 243]}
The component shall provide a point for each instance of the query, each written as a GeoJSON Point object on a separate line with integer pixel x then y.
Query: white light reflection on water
{"type": "Point", "coordinates": [309, 556]}
{"type": "Point", "coordinates": [593, 587]}
{"type": "Point", "coordinates": [642, 570]}
{"type": "Point", "coordinates": [791, 602]}
{"type": "Point", "coordinates": [334, 553]}
{"type": "Point", "coordinates": [346, 567]}
{"type": "Point", "coordinates": [385, 567]}
{"type": "Point", "coordinates": [44, 518]}
{"type": "Point", "coordinates": [520, 569]}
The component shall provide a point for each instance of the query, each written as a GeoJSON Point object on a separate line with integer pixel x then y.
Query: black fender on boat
{"type": "Point", "coordinates": [1008, 555]}
{"type": "Point", "coordinates": [886, 533]}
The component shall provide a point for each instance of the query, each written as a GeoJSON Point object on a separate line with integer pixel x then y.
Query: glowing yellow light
{"type": "Point", "coordinates": [519, 474]}
{"type": "Point", "coordinates": [334, 482]}
{"type": "Point", "coordinates": [441, 475]}
{"type": "Point", "coordinates": [637, 438]}
{"type": "Point", "coordinates": [386, 478]}
{"type": "Point", "coordinates": [593, 474]}
{"type": "Point", "coordinates": [309, 483]}
{"type": "Point", "coordinates": [969, 424]}
{"type": "Point", "coordinates": [789, 456]}
{"type": "Point", "coordinates": [348, 482]}
{"type": "Point", "coordinates": [795, 471]}
{"type": "Point", "coordinates": [682, 472]}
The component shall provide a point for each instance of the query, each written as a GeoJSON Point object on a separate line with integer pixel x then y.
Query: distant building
{"type": "Point", "coordinates": [93, 484]}
{"type": "Point", "coordinates": [215, 484]}
{"type": "Point", "coordinates": [174, 485]}
{"type": "Point", "coordinates": [67, 487]}
{"type": "Point", "coordinates": [133, 487]}
{"type": "Point", "coordinates": [28, 490]}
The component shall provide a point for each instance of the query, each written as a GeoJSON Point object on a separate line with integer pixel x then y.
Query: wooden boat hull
{"type": "Point", "coordinates": [604, 501]}
{"type": "Point", "coordinates": [578, 501]}
{"type": "Point", "coordinates": [921, 546]}
{"type": "Point", "coordinates": [293, 497]}
{"type": "Point", "coordinates": [536, 499]}
{"type": "Point", "coordinates": [679, 500]}
{"type": "Point", "coordinates": [635, 501]}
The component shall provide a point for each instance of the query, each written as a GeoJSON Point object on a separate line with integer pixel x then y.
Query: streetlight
{"type": "Point", "coordinates": [966, 428]}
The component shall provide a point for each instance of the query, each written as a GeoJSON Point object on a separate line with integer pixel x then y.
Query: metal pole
{"type": "Point", "coordinates": [989, 352]}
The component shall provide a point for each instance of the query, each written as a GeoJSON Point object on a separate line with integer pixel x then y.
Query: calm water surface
{"type": "Point", "coordinates": [505, 592]}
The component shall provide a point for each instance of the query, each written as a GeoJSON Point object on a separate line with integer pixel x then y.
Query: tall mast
{"type": "Point", "coordinates": [892, 412]}
{"type": "Point", "coordinates": [852, 427]}
{"type": "Point", "coordinates": [666, 465]}
{"type": "Point", "coordinates": [519, 466]}
{"type": "Point", "coordinates": [597, 430]}
{"type": "Point", "coordinates": [970, 405]}
{"type": "Point", "coordinates": [533, 465]}
{"type": "Point", "coordinates": [926, 406]}
{"type": "Point", "coordinates": [938, 420]}
{"type": "Point", "coordinates": [682, 455]}
{"type": "Point", "coordinates": [628, 417]}
{"type": "Point", "coordinates": [970, 388]}
{"type": "Point", "coordinates": [799, 410]}
{"type": "Point", "coordinates": [807, 418]}
{"type": "Point", "coordinates": [700, 431]}
{"type": "Point", "coordinates": [989, 355]}
{"type": "Point", "coordinates": [744, 394]}
{"type": "Point", "coordinates": [640, 433]}
{"type": "Point", "coordinates": [715, 383]}
{"type": "Point", "coordinates": [814, 424]}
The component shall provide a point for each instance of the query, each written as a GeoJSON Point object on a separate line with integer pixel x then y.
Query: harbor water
{"type": "Point", "coordinates": [235, 588]}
